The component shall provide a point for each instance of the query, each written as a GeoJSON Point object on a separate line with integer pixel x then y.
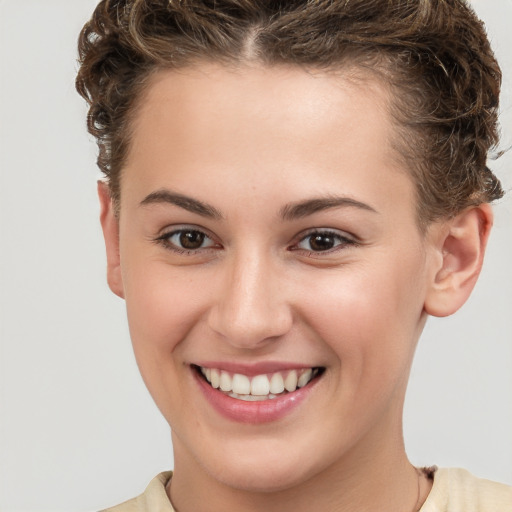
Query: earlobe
{"type": "Point", "coordinates": [460, 247]}
{"type": "Point", "coordinates": [110, 227]}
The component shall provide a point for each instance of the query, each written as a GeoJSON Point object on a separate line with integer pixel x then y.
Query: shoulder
{"type": "Point", "coordinates": [153, 499]}
{"type": "Point", "coordinates": [456, 490]}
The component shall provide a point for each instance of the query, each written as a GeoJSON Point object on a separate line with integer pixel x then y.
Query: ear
{"type": "Point", "coordinates": [110, 226]}
{"type": "Point", "coordinates": [459, 246]}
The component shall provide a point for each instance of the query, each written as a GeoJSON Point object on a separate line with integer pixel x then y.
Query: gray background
{"type": "Point", "coordinates": [78, 430]}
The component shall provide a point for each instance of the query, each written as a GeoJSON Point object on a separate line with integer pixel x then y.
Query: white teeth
{"type": "Point", "coordinates": [276, 384]}
{"type": "Point", "coordinates": [252, 398]}
{"type": "Point", "coordinates": [260, 385]}
{"type": "Point", "coordinates": [225, 381]}
{"type": "Point", "coordinates": [241, 384]}
{"type": "Point", "coordinates": [305, 378]}
{"type": "Point", "coordinates": [215, 378]}
{"type": "Point", "coordinates": [290, 383]}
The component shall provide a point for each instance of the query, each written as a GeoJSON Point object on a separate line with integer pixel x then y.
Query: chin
{"type": "Point", "coordinates": [261, 478]}
{"type": "Point", "coordinates": [262, 467]}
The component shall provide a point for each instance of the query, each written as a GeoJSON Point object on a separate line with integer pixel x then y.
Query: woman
{"type": "Point", "coordinates": [291, 189]}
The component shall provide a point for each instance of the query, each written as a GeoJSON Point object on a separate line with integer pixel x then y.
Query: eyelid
{"type": "Point", "coordinates": [173, 228]}
{"type": "Point", "coordinates": [327, 231]}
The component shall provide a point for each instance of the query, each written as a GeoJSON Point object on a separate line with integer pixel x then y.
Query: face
{"type": "Point", "coordinates": [268, 244]}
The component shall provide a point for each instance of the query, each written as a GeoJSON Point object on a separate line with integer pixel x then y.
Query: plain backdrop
{"type": "Point", "coordinates": [78, 430]}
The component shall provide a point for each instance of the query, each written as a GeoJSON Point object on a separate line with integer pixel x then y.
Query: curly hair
{"type": "Point", "coordinates": [433, 54]}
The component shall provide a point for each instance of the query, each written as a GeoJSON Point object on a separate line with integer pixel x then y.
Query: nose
{"type": "Point", "coordinates": [250, 309]}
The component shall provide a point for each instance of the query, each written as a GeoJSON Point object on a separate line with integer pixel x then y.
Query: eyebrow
{"type": "Point", "coordinates": [289, 212]}
{"type": "Point", "coordinates": [185, 202]}
{"type": "Point", "coordinates": [304, 208]}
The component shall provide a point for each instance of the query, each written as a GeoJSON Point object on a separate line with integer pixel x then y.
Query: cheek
{"type": "Point", "coordinates": [163, 307]}
{"type": "Point", "coordinates": [162, 303]}
{"type": "Point", "coordinates": [370, 316]}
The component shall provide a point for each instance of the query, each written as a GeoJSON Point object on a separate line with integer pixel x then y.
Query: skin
{"type": "Point", "coordinates": [252, 143]}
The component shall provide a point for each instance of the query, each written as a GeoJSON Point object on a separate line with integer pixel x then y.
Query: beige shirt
{"type": "Point", "coordinates": [454, 490]}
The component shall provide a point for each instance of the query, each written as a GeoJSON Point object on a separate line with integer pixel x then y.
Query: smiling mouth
{"type": "Point", "coordinates": [259, 387]}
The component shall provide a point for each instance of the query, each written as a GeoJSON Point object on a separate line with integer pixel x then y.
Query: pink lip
{"type": "Point", "coordinates": [253, 369]}
{"type": "Point", "coordinates": [253, 412]}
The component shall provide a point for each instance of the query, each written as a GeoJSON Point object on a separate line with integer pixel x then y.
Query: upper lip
{"type": "Point", "coordinates": [253, 369]}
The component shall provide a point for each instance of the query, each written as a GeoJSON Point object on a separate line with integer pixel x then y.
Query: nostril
{"type": "Point", "coordinates": [250, 328]}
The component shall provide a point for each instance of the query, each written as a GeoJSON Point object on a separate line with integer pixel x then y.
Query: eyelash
{"type": "Point", "coordinates": [340, 241]}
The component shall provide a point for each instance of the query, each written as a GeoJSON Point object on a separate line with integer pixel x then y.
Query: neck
{"type": "Point", "coordinates": [373, 476]}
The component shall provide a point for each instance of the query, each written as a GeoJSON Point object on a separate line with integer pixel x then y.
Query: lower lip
{"type": "Point", "coordinates": [263, 411]}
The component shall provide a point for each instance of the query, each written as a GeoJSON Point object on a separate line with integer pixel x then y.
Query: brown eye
{"type": "Point", "coordinates": [321, 242]}
{"type": "Point", "coordinates": [186, 240]}
{"type": "Point", "coordinates": [191, 239]}
{"type": "Point", "coordinates": [324, 241]}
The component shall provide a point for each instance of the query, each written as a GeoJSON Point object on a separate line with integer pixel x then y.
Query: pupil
{"type": "Point", "coordinates": [191, 239]}
{"type": "Point", "coordinates": [321, 242]}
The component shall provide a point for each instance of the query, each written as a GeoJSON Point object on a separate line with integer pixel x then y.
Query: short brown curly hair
{"type": "Point", "coordinates": [433, 54]}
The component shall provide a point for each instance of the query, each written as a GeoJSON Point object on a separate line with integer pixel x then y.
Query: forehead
{"type": "Point", "coordinates": [287, 100]}
{"type": "Point", "coordinates": [267, 127]}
